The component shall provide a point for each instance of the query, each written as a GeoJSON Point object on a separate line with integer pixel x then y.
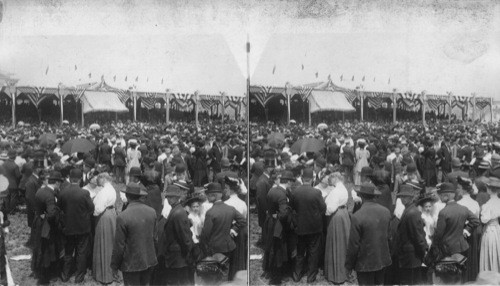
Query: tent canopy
{"type": "Point", "coordinates": [98, 101]}
{"type": "Point", "coordinates": [326, 100]}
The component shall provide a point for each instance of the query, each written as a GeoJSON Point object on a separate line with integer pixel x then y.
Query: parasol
{"type": "Point", "coordinates": [95, 126]}
{"type": "Point", "coordinates": [78, 145]}
{"type": "Point", "coordinates": [307, 145]}
{"type": "Point", "coordinates": [322, 126]}
{"type": "Point", "coordinates": [293, 121]}
{"type": "Point", "coordinates": [275, 139]}
{"type": "Point", "coordinates": [47, 139]}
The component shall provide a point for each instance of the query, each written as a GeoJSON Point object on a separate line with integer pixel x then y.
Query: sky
{"type": "Point", "coordinates": [436, 46]}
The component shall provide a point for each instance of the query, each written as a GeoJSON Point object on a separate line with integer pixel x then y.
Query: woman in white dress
{"type": "Point", "coordinates": [362, 156]}
{"type": "Point", "coordinates": [133, 157]}
{"type": "Point", "coordinates": [489, 257]}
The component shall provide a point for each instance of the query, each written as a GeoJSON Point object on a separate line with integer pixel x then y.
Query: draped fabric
{"type": "Point", "coordinates": [183, 101]}
{"type": "Point", "coordinates": [351, 96]}
{"type": "Point", "coordinates": [460, 101]}
{"type": "Point", "coordinates": [233, 101]}
{"type": "Point", "coordinates": [123, 95]}
{"type": "Point", "coordinates": [482, 103]}
{"type": "Point", "coordinates": [148, 100]}
{"type": "Point", "coordinates": [35, 94]}
{"type": "Point", "coordinates": [375, 102]}
{"type": "Point", "coordinates": [409, 101]}
{"type": "Point", "coordinates": [433, 104]}
{"type": "Point", "coordinates": [208, 101]}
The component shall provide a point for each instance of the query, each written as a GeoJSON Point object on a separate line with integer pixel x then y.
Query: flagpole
{"type": "Point", "coordinates": [248, 74]}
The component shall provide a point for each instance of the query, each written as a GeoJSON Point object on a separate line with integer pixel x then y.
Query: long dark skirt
{"type": "Point", "coordinates": [472, 263]}
{"type": "Point", "coordinates": [275, 248]}
{"type": "Point", "coordinates": [46, 251]}
{"type": "Point", "coordinates": [240, 254]}
{"type": "Point", "coordinates": [337, 238]}
{"type": "Point", "coordinates": [104, 239]}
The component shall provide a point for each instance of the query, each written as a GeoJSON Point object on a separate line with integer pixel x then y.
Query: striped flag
{"type": "Point", "coordinates": [149, 100]}
{"type": "Point", "coordinates": [122, 95]}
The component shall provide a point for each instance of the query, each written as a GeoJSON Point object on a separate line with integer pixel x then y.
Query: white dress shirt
{"type": "Point", "coordinates": [471, 204]}
{"type": "Point", "coordinates": [106, 197]}
{"type": "Point", "coordinates": [238, 204]}
{"type": "Point", "coordinates": [337, 197]}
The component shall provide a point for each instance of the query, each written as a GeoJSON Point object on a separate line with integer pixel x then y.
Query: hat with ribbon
{"type": "Point", "coordinates": [445, 188]}
{"type": "Point", "coordinates": [368, 189]}
{"type": "Point", "coordinates": [213, 188]}
{"type": "Point", "coordinates": [135, 189]}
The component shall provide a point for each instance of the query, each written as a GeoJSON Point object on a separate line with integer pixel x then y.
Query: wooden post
{"type": "Point", "coordinates": [394, 106]}
{"type": "Point", "coordinates": [196, 108]}
{"type": "Point", "coordinates": [61, 97]}
{"type": "Point", "coordinates": [309, 109]}
{"type": "Point", "coordinates": [223, 108]}
{"type": "Point", "coordinates": [362, 100]}
{"type": "Point", "coordinates": [491, 109]}
{"type": "Point", "coordinates": [288, 99]}
{"type": "Point", "coordinates": [13, 95]}
{"type": "Point", "coordinates": [134, 98]}
{"type": "Point", "coordinates": [167, 107]}
{"type": "Point", "coordinates": [83, 116]}
{"type": "Point", "coordinates": [423, 99]}
{"type": "Point", "coordinates": [473, 107]}
{"type": "Point", "coordinates": [449, 102]}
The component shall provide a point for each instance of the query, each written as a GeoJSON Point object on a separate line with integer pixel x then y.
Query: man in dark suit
{"type": "Point", "coordinates": [348, 161]}
{"type": "Point", "coordinates": [310, 207]}
{"type": "Point", "coordinates": [134, 247]}
{"type": "Point", "coordinates": [77, 209]}
{"type": "Point", "coordinates": [105, 153]}
{"type": "Point", "coordinates": [119, 159]}
{"type": "Point", "coordinates": [263, 185]}
{"type": "Point", "coordinates": [410, 238]}
{"type": "Point", "coordinates": [368, 249]}
{"type": "Point", "coordinates": [215, 156]}
{"type": "Point", "coordinates": [456, 172]}
{"type": "Point", "coordinates": [45, 261]}
{"type": "Point", "coordinates": [13, 174]}
{"type": "Point", "coordinates": [33, 183]}
{"type": "Point", "coordinates": [219, 230]}
{"type": "Point", "coordinates": [444, 155]}
{"type": "Point", "coordinates": [176, 243]}
{"type": "Point", "coordinates": [454, 222]}
{"type": "Point", "coordinates": [219, 177]}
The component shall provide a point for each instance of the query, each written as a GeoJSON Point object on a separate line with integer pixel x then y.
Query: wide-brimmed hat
{"type": "Point", "coordinates": [75, 173]}
{"type": "Point", "coordinates": [192, 198]}
{"type": "Point", "coordinates": [424, 198]}
{"type": "Point", "coordinates": [368, 189]}
{"type": "Point", "coordinates": [493, 183]}
{"type": "Point", "coordinates": [484, 165]}
{"type": "Point", "coordinates": [366, 171]}
{"type": "Point", "coordinates": [287, 175]}
{"type": "Point", "coordinates": [446, 188]}
{"type": "Point", "coordinates": [135, 189]}
{"type": "Point", "coordinates": [231, 181]}
{"type": "Point", "coordinates": [405, 191]}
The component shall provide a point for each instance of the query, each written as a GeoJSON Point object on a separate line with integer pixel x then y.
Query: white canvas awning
{"type": "Point", "coordinates": [326, 100]}
{"type": "Point", "coordinates": [99, 101]}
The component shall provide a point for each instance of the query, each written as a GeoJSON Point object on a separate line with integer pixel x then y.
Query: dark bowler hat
{"type": "Point", "coordinates": [56, 176]}
{"type": "Point", "coordinates": [445, 188]}
{"type": "Point", "coordinates": [135, 189]}
{"type": "Point", "coordinates": [287, 175]}
{"type": "Point", "coordinates": [307, 173]}
{"type": "Point", "coordinates": [213, 188]}
{"type": "Point", "coordinates": [269, 163]}
{"type": "Point", "coordinates": [425, 198]}
{"type": "Point", "coordinates": [405, 191]}
{"type": "Point", "coordinates": [366, 171]}
{"type": "Point", "coordinates": [368, 189]}
{"type": "Point", "coordinates": [75, 173]}
{"type": "Point", "coordinates": [174, 191]}
{"type": "Point", "coordinates": [231, 181]}
{"type": "Point", "coordinates": [135, 172]}
{"type": "Point", "coordinates": [89, 162]}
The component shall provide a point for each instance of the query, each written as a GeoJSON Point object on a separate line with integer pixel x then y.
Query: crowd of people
{"type": "Point", "coordinates": [144, 204]}
{"type": "Point", "coordinates": [382, 203]}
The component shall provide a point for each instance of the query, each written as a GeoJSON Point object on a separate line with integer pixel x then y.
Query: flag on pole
{"type": "Point", "coordinates": [389, 82]}
{"type": "Point", "coordinates": [274, 69]}
{"type": "Point", "coordinates": [75, 68]}
{"type": "Point", "coordinates": [90, 75]}
{"type": "Point", "coordinates": [352, 78]}
{"type": "Point", "coordinates": [161, 80]}
{"type": "Point", "coordinates": [47, 70]}
{"type": "Point", "coordinates": [114, 78]}
{"type": "Point", "coordinates": [363, 78]}
{"type": "Point", "coordinates": [342, 77]}
{"type": "Point", "coordinates": [302, 66]}
{"type": "Point", "coordinates": [147, 79]}
{"type": "Point", "coordinates": [137, 79]}
{"type": "Point", "coordinates": [373, 79]}
{"type": "Point", "coordinates": [102, 77]}
{"type": "Point", "coordinates": [126, 78]}
{"type": "Point", "coordinates": [316, 74]}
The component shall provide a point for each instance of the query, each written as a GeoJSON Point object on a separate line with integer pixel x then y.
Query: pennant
{"type": "Point", "coordinates": [114, 78]}
{"type": "Point", "coordinates": [147, 79]}
{"type": "Point", "coordinates": [161, 80]}
{"type": "Point", "coordinates": [90, 75]}
{"type": "Point", "coordinates": [274, 69]}
{"type": "Point", "coordinates": [316, 74]}
{"type": "Point", "coordinates": [137, 79]}
{"type": "Point", "coordinates": [76, 67]}
{"type": "Point", "coordinates": [363, 78]}
{"type": "Point", "coordinates": [302, 67]}
{"type": "Point", "coordinates": [102, 77]}
{"type": "Point", "coordinates": [126, 78]}
{"type": "Point", "coordinates": [342, 77]}
{"type": "Point", "coordinates": [248, 47]}
{"type": "Point", "coordinates": [389, 82]}
{"type": "Point", "coordinates": [352, 78]}
{"type": "Point", "coordinates": [47, 70]}
{"type": "Point", "coordinates": [373, 79]}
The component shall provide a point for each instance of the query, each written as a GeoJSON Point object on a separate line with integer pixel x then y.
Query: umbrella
{"type": "Point", "coordinates": [275, 139]}
{"type": "Point", "coordinates": [322, 126]}
{"type": "Point", "coordinates": [307, 145]}
{"type": "Point", "coordinates": [293, 121]}
{"type": "Point", "coordinates": [95, 126]}
{"type": "Point", "coordinates": [47, 139]}
{"type": "Point", "coordinates": [78, 145]}
{"type": "Point", "coordinates": [65, 122]}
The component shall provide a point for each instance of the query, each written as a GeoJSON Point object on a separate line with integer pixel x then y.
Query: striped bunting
{"type": "Point", "coordinates": [233, 101]}
{"type": "Point", "coordinates": [183, 100]}
{"type": "Point", "coordinates": [375, 102]}
{"type": "Point", "coordinates": [79, 92]}
{"type": "Point", "coordinates": [123, 95]}
{"type": "Point", "coordinates": [350, 95]}
{"type": "Point", "coordinates": [433, 104]}
{"type": "Point", "coordinates": [304, 92]}
{"type": "Point", "coordinates": [208, 101]}
{"type": "Point", "coordinates": [35, 94]}
{"type": "Point", "coordinates": [263, 95]}
{"type": "Point", "coordinates": [148, 101]}
{"type": "Point", "coordinates": [482, 103]}
{"type": "Point", "coordinates": [460, 101]}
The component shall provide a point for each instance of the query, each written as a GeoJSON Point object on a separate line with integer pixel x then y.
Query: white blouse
{"type": "Point", "coordinates": [470, 203]}
{"type": "Point", "coordinates": [106, 197]}
{"type": "Point", "coordinates": [491, 210]}
{"type": "Point", "coordinates": [336, 198]}
{"type": "Point", "coordinates": [196, 226]}
{"type": "Point", "coordinates": [238, 204]}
